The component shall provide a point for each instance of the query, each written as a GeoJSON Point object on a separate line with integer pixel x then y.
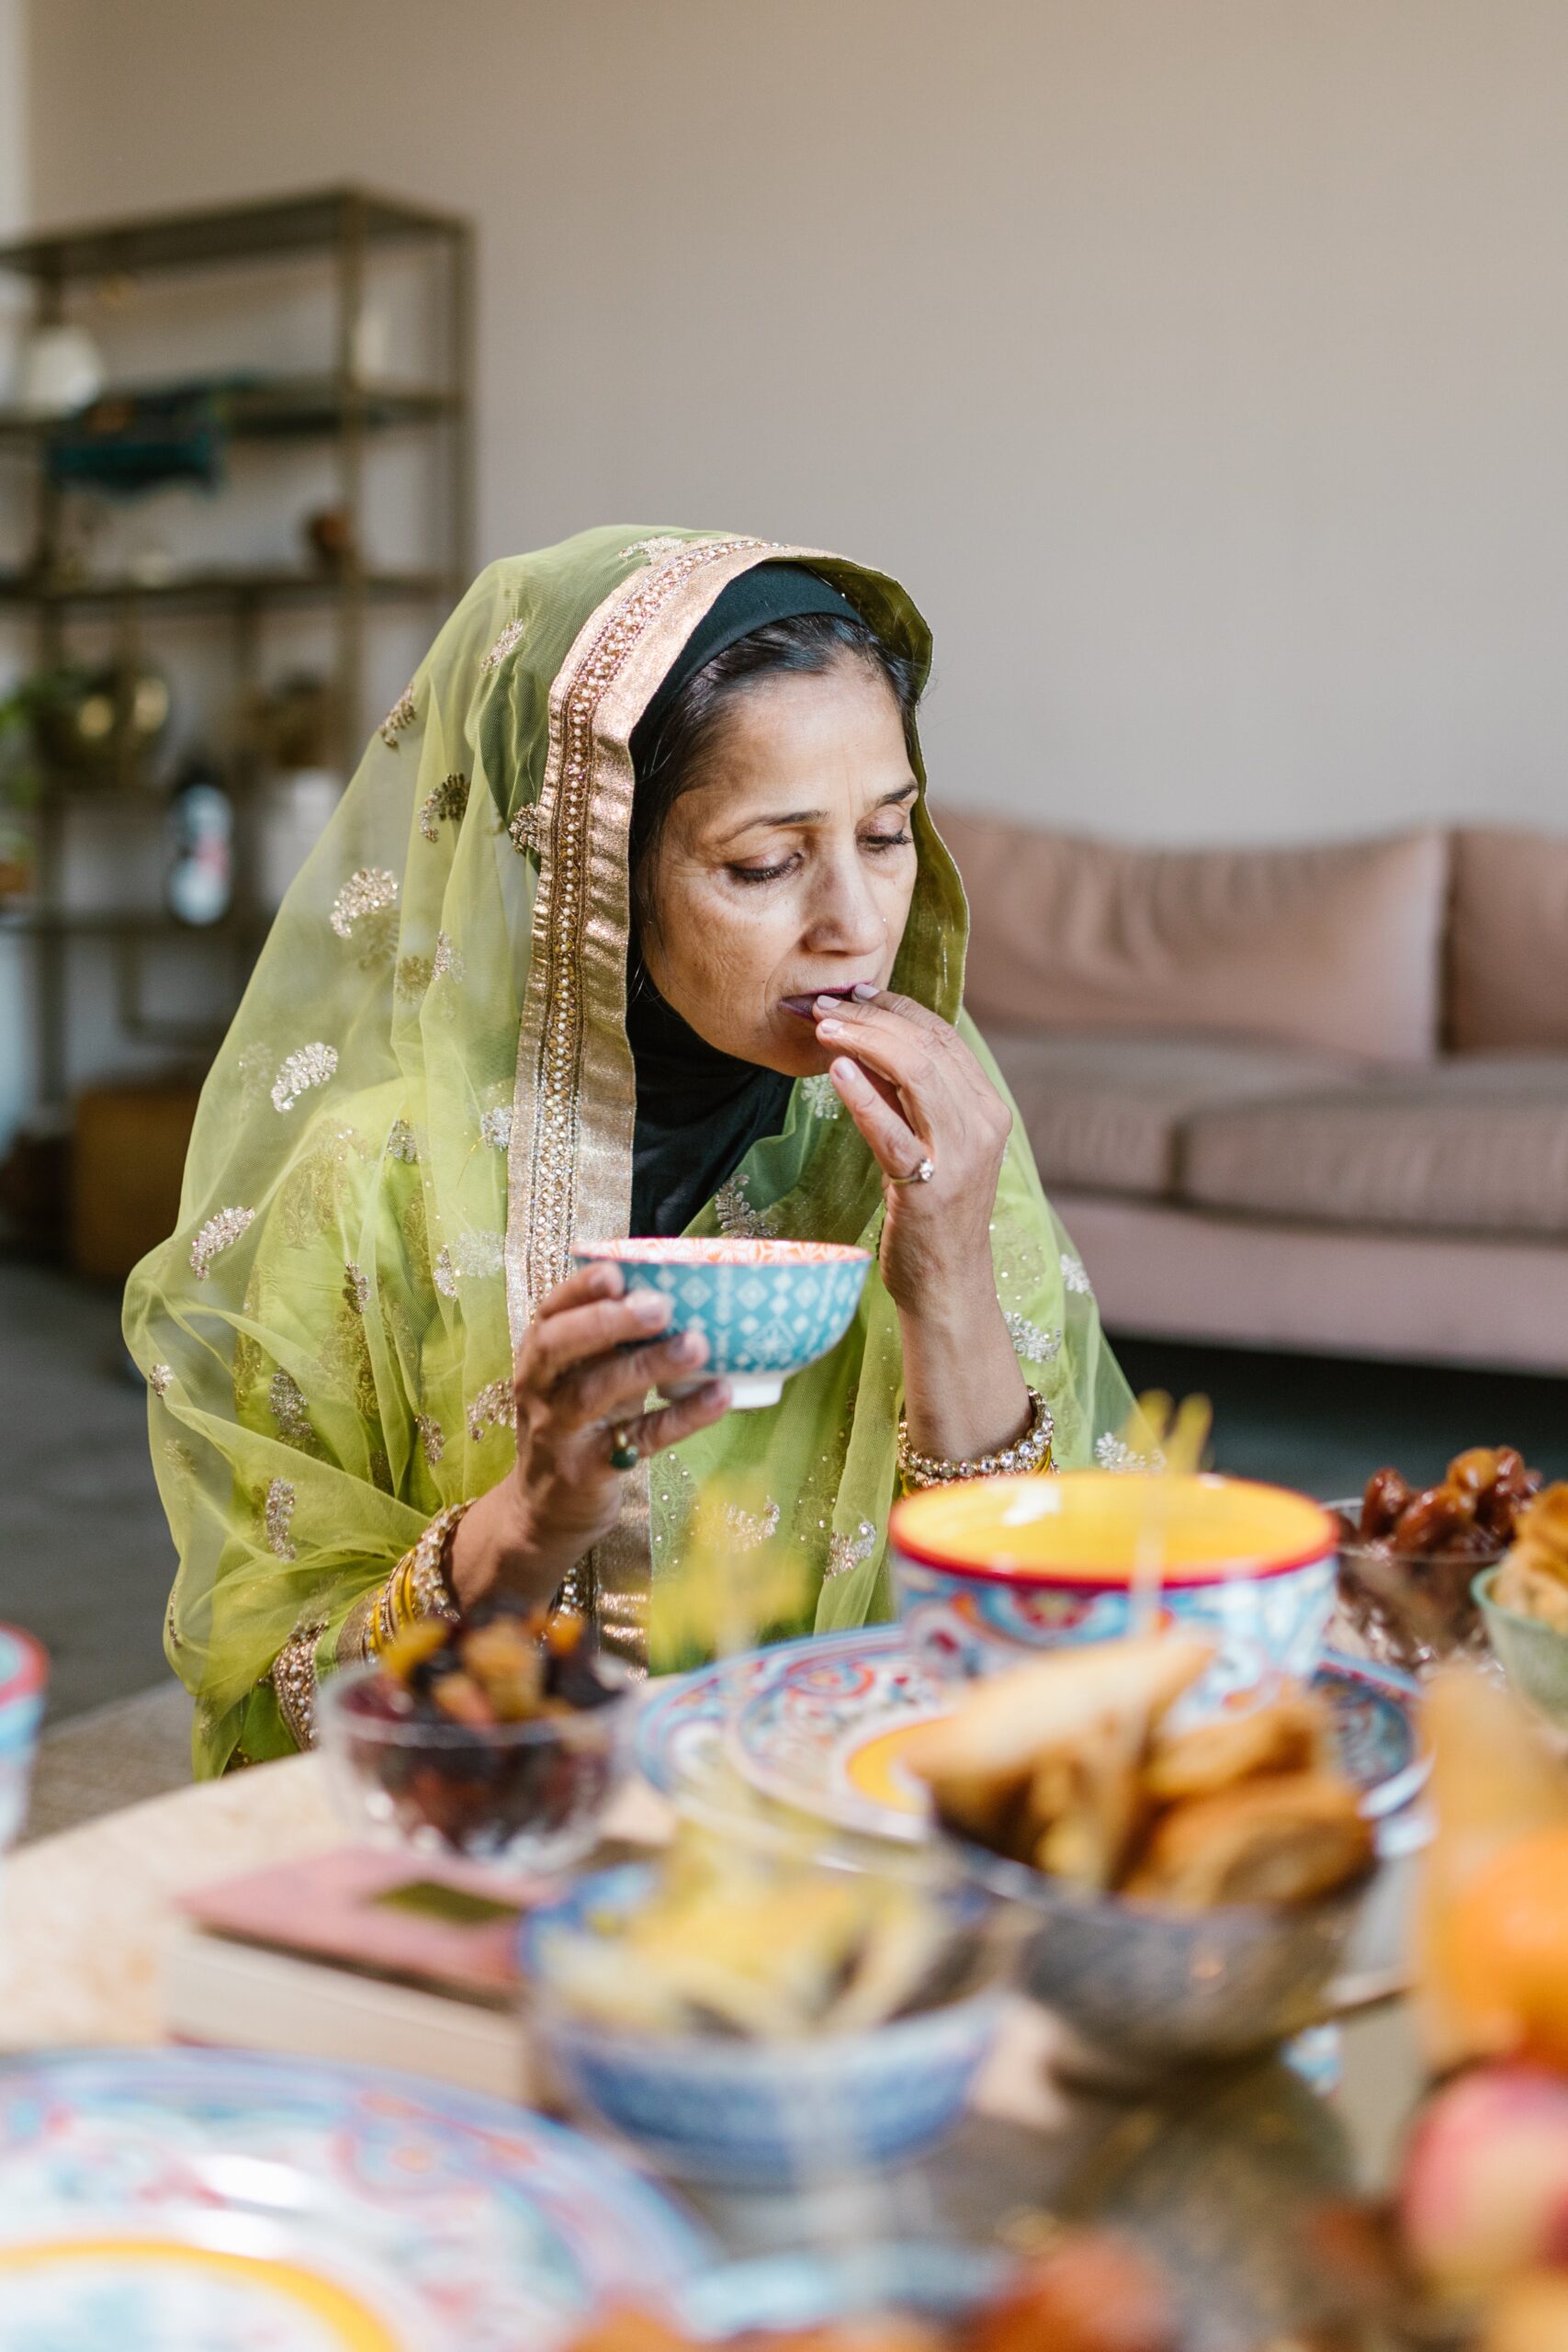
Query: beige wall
{"type": "Point", "coordinates": [1203, 365]}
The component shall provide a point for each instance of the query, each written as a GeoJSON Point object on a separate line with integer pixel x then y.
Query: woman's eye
{"type": "Point", "coordinates": [761, 873]}
{"type": "Point", "coordinates": [888, 841]}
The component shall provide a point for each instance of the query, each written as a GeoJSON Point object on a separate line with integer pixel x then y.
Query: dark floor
{"type": "Point", "coordinates": [1325, 1423]}
{"type": "Point", "coordinates": [85, 1561]}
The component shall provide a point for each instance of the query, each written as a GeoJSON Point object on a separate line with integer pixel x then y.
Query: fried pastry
{"type": "Point", "coordinates": [1283, 1839]}
{"type": "Point", "coordinates": [1289, 1736]}
{"type": "Point", "coordinates": [1008, 1722]}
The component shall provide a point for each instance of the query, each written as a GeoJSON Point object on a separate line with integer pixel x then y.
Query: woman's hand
{"type": "Point", "coordinates": [580, 1379]}
{"type": "Point", "coordinates": [917, 1093]}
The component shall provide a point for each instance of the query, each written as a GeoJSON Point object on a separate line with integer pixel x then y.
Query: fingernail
{"type": "Point", "coordinates": [848, 1072]}
{"type": "Point", "coordinates": [866, 989]}
{"type": "Point", "coordinates": [828, 1003]}
{"type": "Point", "coordinates": [717, 1392]}
{"type": "Point", "coordinates": [650, 1306]}
{"type": "Point", "coordinates": [691, 1346]}
{"type": "Point", "coordinates": [825, 1028]}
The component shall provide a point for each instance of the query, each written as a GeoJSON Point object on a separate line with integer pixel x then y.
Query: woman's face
{"type": "Point", "coordinates": [787, 874]}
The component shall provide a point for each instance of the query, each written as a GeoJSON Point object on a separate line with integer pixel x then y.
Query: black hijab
{"type": "Point", "coordinates": [699, 1111]}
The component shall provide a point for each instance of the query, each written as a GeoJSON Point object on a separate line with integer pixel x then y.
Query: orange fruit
{"type": "Point", "coordinates": [1506, 1950]}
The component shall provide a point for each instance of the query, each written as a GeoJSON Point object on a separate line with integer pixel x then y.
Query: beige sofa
{"type": "Point", "coordinates": [1312, 1099]}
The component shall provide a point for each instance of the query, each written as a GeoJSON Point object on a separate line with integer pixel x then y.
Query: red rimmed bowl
{"type": "Point", "coordinates": [992, 1570]}
{"type": "Point", "coordinates": [766, 1308]}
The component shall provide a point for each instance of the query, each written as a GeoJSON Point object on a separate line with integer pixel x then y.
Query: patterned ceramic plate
{"type": "Point", "coordinates": [822, 1724]}
{"type": "Point", "coordinates": [210, 2201]}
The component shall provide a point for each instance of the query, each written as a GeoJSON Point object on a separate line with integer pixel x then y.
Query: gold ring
{"type": "Point", "coordinates": [922, 1175]}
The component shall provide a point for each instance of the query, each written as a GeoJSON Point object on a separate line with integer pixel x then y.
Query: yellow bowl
{"type": "Point", "coordinates": [990, 1570]}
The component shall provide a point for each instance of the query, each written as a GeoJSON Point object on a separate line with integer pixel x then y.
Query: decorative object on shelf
{"type": "Point", "coordinates": [61, 370]}
{"type": "Point", "coordinates": [139, 441]}
{"type": "Point", "coordinates": [98, 724]}
{"type": "Point", "coordinates": [200, 887]}
{"type": "Point", "coordinates": [290, 723]}
{"type": "Point", "coordinates": [329, 535]}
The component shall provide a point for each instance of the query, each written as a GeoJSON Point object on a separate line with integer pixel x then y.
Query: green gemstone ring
{"type": "Point", "coordinates": [623, 1454]}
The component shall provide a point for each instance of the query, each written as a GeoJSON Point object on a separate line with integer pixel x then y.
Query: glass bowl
{"type": "Point", "coordinates": [529, 1797]}
{"type": "Point", "coordinates": [1411, 1610]}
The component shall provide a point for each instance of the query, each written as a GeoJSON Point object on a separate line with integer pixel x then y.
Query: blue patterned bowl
{"type": "Point", "coordinates": [766, 1308]}
{"type": "Point", "coordinates": [754, 2114]}
{"type": "Point", "coordinates": [989, 1572]}
{"type": "Point", "coordinates": [24, 1671]}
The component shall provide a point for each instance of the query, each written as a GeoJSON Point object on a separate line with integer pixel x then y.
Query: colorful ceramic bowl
{"type": "Point", "coordinates": [24, 1671]}
{"type": "Point", "coordinates": [750, 2114]}
{"type": "Point", "coordinates": [766, 1308]}
{"type": "Point", "coordinates": [989, 1571]}
{"type": "Point", "coordinates": [1534, 1656]}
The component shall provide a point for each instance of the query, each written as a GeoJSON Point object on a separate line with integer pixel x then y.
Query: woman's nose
{"type": "Point", "coordinates": [844, 918]}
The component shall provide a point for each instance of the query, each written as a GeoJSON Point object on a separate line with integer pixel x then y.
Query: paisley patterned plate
{"type": "Point", "coordinates": [205, 2201]}
{"type": "Point", "coordinates": [821, 1724]}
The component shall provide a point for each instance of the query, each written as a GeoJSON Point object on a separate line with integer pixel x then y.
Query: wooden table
{"type": "Point", "coordinates": [1219, 2175]}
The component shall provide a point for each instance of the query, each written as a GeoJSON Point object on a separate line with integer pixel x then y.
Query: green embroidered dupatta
{"type": "Point", "coordinates": [427, 1094]}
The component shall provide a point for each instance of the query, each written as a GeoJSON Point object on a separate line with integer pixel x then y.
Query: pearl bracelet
{"type": "Point", "coordinates": [1029, 1453]}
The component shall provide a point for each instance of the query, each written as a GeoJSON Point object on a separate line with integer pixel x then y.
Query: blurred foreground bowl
{"type": "Point", "coordinates": [24, 1673]}
{"type": "Point", "coordinates": [1534, 1656]}
{"type": "Point", "coordinates": [529, 1797]}
{"type": "Point", "coordinates": [1148, 1990]}
{"type": "Point", "coordinates": [753, 2114]}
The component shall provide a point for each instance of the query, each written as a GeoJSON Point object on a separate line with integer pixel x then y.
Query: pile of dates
{"type": "Point", "coordinates": [1409, 1557]}
{"type": "Point", "coordinates": [501, 1749]}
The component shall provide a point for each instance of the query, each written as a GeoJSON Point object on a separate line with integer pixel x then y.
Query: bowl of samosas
{"type": "Point", "coordinates": [501, 1738]}
{"type": "Point", "coordinates": [1409, 1556]}
{"type": "Point", "coordinates": [1524, 1604]}
{"type": "Point", "coordinates": [1194, 1890]}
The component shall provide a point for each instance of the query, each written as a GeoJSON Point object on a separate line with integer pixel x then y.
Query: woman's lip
{"type": "Point", "coordinates": [805, 1007]}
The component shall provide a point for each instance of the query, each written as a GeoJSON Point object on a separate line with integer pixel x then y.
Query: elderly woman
{"type": "Point", "coordinates": [632, 920]}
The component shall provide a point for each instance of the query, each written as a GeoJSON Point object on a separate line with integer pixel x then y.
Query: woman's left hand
{"type": "Point", "coordinates": [918, 1095]}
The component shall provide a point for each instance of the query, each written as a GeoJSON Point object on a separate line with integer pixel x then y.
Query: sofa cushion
{"type": "Point", "coordinates": [1508, 942]}
{"type": "Point", "coordinates": [1105, 1113]}
{"type": "Point", "coordinates": [1335, 947]}
{"type": "Point", "coordinates": [1476, 1146]}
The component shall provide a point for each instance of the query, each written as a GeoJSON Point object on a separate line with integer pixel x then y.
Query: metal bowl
{"type": "Point", "coordinates": [1145, 1989]}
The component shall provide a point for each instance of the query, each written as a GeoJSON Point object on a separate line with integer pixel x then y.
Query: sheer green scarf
{"type": "Point", "coordinates": [427, 1094]}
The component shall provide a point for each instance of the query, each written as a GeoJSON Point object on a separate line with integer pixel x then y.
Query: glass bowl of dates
{"type": "Point", "coordinates": [501, 1738]}
{"type": "Point", "coordinates": [1409, 1556]}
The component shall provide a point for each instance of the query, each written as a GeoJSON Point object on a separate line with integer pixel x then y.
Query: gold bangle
{"type": "Point", "coordinates": [417, 1587]}
{"type": "Point", "coordinates": [294, 1681]}
{"type": "Point", "coordinates": [1031, 1452]}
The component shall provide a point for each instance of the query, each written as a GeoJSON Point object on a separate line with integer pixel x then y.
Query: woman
{"type": "Point", "coordinates": [511, 1002]}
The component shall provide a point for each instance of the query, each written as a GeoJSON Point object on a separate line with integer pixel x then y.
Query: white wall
{"type": "Point", "coordinates": [1203, 365]}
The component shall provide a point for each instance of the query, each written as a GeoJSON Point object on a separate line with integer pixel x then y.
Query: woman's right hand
{"type": "Point", "coordinates": [579, 1387]}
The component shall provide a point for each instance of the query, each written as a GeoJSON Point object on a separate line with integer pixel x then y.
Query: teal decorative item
{"type": "Point", "coordinates": [1533, 1656]}
{"type": "Point", "coordinates": [766, 1308]}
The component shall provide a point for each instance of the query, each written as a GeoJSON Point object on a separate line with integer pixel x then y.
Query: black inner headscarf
{"type": "Point", "coordinates": [700, 1110]}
